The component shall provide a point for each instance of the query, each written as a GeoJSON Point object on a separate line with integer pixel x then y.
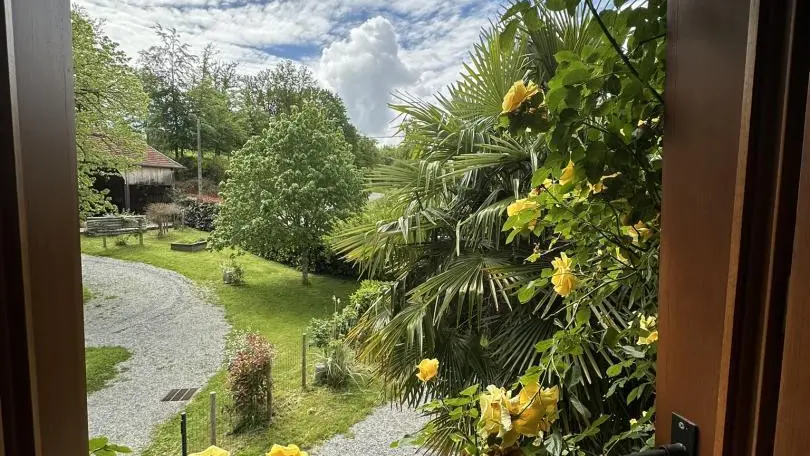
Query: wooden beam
{"type": "Point", "coordinates": [41, 258]}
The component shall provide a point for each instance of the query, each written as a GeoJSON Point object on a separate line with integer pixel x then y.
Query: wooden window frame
{"type": "Point", "coordinates": [42, 383]}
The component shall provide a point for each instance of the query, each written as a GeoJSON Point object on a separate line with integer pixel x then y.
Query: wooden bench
{"type": "Point", "coordinates": [114, 225]}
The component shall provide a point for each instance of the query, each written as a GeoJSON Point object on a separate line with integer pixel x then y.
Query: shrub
{"type": "Point", "coordinates": [189, 187]}
{"type": "Point", "coordinates": [162, 214]}
{"type": "Point", "coordinates": [200, 213]}
{"type": "Point", "coordinates": [232, 272]}
{"type": "Point", "coordinates": [337, 367]}
{"type": "Point", "coordinates": [249, 382]}
{"type": "Point", "coordinates": [324, 330]}
{"type": "Point", "coordinates": [213, 168]}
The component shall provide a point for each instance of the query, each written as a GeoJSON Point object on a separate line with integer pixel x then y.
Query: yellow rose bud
{"type": "Point", "coordinates": [568, 173]}
{"type": "Point", "coordinates": [428, 368]}
{"type": "Point", "coordinates": [517, 94]}
{"type": "Point", "coordinates": [291, 450]}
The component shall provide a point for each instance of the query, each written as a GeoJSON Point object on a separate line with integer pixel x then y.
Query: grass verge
{"type": "Point", "coordinates": [101, 365]}
{"type": "Point", "coordinates": [274, 303]}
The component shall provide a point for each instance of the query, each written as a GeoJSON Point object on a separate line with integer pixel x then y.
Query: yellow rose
{"type": "Point", "coordinates": [495, 419]}
{"type": "Point", "coordinates": [534, 409]}
{"type": "Point", "coordinates": [547, 183]}
{"type": "Point", "coordinates": [563, 279]}
{"type": "Point", "coordinates": [517, 94]}
{"type": "Point", "coordinates": [292, 450]}
{"type": "Point", "coordinates": [639, 230]}
{"type": "Point", "coordinates": [428, 368]}
{"type": "Point", "coordinates": [568, 173]}
{"type": "Point", "coordinates": [520, 206]}
{"type": "Point", "coordinates": [212, 451]}
{"type": "Point", "coordinates": [648, 324]}
{"type": "Point", "coordinates": [597, 187]}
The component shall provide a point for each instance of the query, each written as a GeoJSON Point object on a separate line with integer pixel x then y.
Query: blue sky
{"type": "Point", "coordinates": [362, 49]}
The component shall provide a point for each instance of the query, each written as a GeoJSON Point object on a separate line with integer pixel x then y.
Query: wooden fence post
{"type": "Point", "coordinates": [213, 417]}
{"type": "Point", "coordinates": [304, 361]}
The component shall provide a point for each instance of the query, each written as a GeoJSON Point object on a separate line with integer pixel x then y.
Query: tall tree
{"type": "Point", "coordinates": [289, 185]}
{"type": "Point", "coordinates": [211, 98]}
{"type": "Point", "coordinates": [167, 70]}
{"type": "Point", "coordinates": [276, 90]}
{"type": "Point", "coordinates": [111, 107]}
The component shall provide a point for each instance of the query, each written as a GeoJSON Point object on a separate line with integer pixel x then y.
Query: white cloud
{"type": "Point", "coordinates": [415, 45]}
{"type": "Point", "coordinates": [364, 70]}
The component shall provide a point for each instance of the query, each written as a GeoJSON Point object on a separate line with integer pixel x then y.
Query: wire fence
{"type": "Point", "coordinates": [213, 421]}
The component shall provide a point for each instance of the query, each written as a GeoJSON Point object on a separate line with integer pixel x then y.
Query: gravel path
{"type": "Point", "coordinates": [176, 338]}
{"type": "Point", "coordinates": [373, 436]}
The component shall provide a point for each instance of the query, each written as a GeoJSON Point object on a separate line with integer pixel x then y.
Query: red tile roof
{"type": "Point", "coordinates": [155, 159]}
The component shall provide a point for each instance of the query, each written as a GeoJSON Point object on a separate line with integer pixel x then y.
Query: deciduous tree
{"type": "Point", "coordinates": [289, 185]}
{"type": "Point", "coordinates": [110, 108]}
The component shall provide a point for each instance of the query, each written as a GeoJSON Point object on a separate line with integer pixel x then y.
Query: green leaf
{"type": "Point", "coordinates": [119, 448]}
{"type": "Point", "coordinates": [555, 444]}
{"type": "Point", "coordinates": [566, 56]}
{"type": "Point", "coordinates": [526, 293]}
{"type": "Point", "coordinates": [556, 5]}
{"type": "Point", "coordinates": [394, 444]}
{"type": "Point", "coordinates": [575, 74]}
{"type": "Point", "coordinates": [544, 345]}
{"type": "Point", "coordinates": [583, 411]}
{"type": "Point", "coordinates": [507, 37]}
{"type": "Point", "coordinates": [613, 85]}
{"type": "Point", "coordinates": [610, 338]}
{"type": "Point", "coordinates": [470, 391]}
{"type": "Point", "coordinates": [515, 9]}
{"type": "Point", "coordinates": [98, 442]}
{"type": "Point", "coordinates": [555, 97]}
{"type": "Point", "coordinates": [531, 19]}
{"type": "Point", "coordinates": [583, 316]}
{"type": "Point", "coordinates": [614, 370]}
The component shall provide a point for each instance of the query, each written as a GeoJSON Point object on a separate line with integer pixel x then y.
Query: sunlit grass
{"type": "Point", "coordinates": [274, 303]}
{"type": "Point", "coordinates": [101, 365]}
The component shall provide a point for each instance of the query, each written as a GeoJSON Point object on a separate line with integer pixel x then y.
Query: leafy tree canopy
{"type": "Point", "coordinates": [111, 108]}
{"type": "Point", "coordinates": [289, 185]}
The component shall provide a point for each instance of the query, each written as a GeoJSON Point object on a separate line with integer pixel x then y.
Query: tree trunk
{"type": "Point", "coordinates": [305, 267]}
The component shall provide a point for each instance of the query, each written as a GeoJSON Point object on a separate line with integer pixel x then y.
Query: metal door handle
{"type": "Point", "coordinates": [670, 449]}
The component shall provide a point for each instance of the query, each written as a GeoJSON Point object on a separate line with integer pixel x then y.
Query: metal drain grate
{"type": "Point", "coordinates": [176, 395]}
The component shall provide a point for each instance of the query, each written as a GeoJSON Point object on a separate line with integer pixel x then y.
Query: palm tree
{"type": "Point", "coordinates": [438, 237]}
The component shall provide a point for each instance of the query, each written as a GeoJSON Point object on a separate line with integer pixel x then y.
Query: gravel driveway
{"type": "Point", "coordinates": [176, 338]}
{"type": "Point", "coordinates": [373, 435]}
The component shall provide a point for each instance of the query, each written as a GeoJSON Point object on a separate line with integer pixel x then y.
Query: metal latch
{"type": "Point", "coordinates": [683, 437]}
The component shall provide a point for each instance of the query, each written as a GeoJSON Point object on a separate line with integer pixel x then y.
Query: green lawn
{"type": "Point", "coordinates": [101, 365]}
{"type": "Point", "coordinates": [274, 303]}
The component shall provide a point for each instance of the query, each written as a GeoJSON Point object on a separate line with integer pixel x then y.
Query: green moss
{"type": "Point", "coordinates": [273, 302]}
